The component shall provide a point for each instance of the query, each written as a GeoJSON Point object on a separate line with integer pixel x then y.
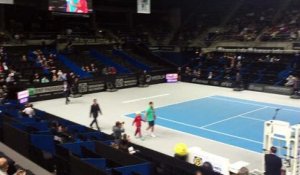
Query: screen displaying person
{"type": "Point", "coordinates": [82, 6]}
{"type": "Point", "coordinates": [72, 5]}
{"type": "Point", "coordinates": [77, 6]}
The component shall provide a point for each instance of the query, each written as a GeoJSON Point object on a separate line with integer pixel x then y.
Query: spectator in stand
{"type": "Point", "coordinates": [105, 71]}
{"type": "Point", "coordinates": [243, 171]}
{"type": "Point", "coordinates": [4, 168]}
{"type": "Point", "coordinates": [210, 75]}
{"type": "Point", "coordinates": [112, 70]}
{"type": "Point", "coordinates": [1, 51]}
{"type": "Point", "coordinates": [45, 80]}
{"type": "Point", "coordinates": [12, 169]}
{"type": "Point", "coordinates": [39, 59]}
{"type": "Point", "coordinates": [87, 69]}
{"type": "Point", "coordinates": [296, 86]}
{"type": "Point", "coordinates": [62, 134]}
{"type": "Point", "coordinates": [1, 68]}
{"type": "Point", "coordinates": [3, 93]}
{"type": "Point", "coordinates": [197, 73]}
{"type": "Point", "coordinates": [124, 143]}
{"type": "Point", "coordinates": [60, 76]}
{"type": "Point", "coordinates": [10, 78]}
{"type": "Point", "coordinates": [94, 69]}
{"type": "Point", "coordinates": [290, 81]}
{"type": "Point", "coordinates": [273, 163]}
{"type": "Point", "coordinates": [5, 67]}
{"type": "Point", "coordinates": [54, 78]}
{"type": "Point", "coordinates": [24, 59]}
{"type": "Point", "coordinates": [188, 71]}
{"type": "Point", "coordinates": [274, 59]}
{"type": "Point", "coordinates": [118, 129]}
{"type": "Point", "coordinates": [66, 77]}
{"type": "Point", "coordinates": [207, 166]}
{"type": "Point", "coordinates": [198, 173]}
{"type": "Point", "coordinates": [54, 72]}
{"type": "Point", "coordinates": [36, 78]}
{"type": "Point", "coordinates": [29, 111]}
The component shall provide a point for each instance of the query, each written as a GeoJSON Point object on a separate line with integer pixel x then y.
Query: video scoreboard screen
{"type": "Point", "coordinates": [71, 6]}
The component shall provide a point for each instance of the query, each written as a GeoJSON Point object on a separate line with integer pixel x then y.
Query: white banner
{"type": "Point", "coordinates": [144, 6]}
{"type": "Point", "coordinates": [198, 157]}
{"type": "Point", "coordinates": [6, 1]}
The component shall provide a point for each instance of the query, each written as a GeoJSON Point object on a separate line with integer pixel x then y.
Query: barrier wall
{"type": "Point", "coordinates": [230, 84]}
{"type": "Point", "coordinates": [55, 90]}
{"type": "Point", "coordinates": [191, 79]}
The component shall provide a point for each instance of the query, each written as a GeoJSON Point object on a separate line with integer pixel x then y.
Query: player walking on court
{"type": "Point", "coordinates": [138, 124]}
{"type": "Point", "coordinates": [150, 118]}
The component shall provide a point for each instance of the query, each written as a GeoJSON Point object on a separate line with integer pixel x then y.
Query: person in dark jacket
{"type": "Point", "coordinates": [273, 163]}
{"type": "Point", "coordinates": [95, 110]}
{"type": "Point", "coordinates": [118, 129]}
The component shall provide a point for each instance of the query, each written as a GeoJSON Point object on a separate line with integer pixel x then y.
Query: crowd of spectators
{"type": "Point", "coordinates": [53, 76]}
{"type": "Point", "coordinates": [46, 62]}
{"type": "Point", "coordinates": [90, 68]}
{"type": "Point", "coordinates": [109, 70]}
{"type": "Point", "coordinates": [210, 67]}
{"type": "Point", "coordinates": [43, 68]}
{"type": "Point", "coordinates": [258, 68]}
{"type": "Point", "coordinates": [51, 71]}
{"type": "Point", "coordinates": [287, 27]}
{"type": "Point", "coordinates": [8, 75]}
{"type": "Point", "coordinates": [249, 21]}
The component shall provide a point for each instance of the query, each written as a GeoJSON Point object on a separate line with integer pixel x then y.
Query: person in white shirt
{"type": "Point", "coordinates": [29, 111]}
{"type": "Point", "coordinates": [10, 78]}
{"type": "Point", "coordinates": [4, 168]}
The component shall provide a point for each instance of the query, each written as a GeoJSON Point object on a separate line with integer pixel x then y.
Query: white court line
{"type": "Point", "coordinates": [254, 104]}
{"type": "Point", "coordinates": [221, 133]}
{"type": "Point", "coordinates": [185, 101]}
{"type": "Point", "coordinates": [233, 117]}
{"type": "Point", "coordinates": [251, 118]}
{"type": "Point", "coordinates": [145, 98]}
{"type": "Point", "coordinates": [204, 138]}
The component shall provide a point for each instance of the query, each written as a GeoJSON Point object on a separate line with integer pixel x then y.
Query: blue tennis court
{"type": "Point", "coordinates": [228, 120]}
